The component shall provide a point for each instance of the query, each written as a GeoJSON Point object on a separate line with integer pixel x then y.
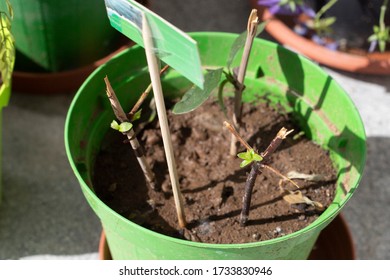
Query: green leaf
{"type": "Point", "coordinates": [244, 155]}
{"type": "Point", "coordinates": [245, 163]}
{"type": "Point", "coordinates": [153, 113]}
{"type": "Point", "coordinates": [257, 157]}
{"type": "Point", "coordinates": [326, 22]}
{"type": "Point", "coordinates": [195, 97]}
{"type": "Point", "coordinates": [125, 126]}
{"type": "Point", "coordinates": [261, 27]}
{"type": "Point", "coordinates": [137, 115]}
{"type": "Point", "coordinates": [373, 37]}
{"type": "Point", "coordinates": [114, 125]}
{"type": "Point", "coordinates": [239, 43]}
{"type": "Point", "coordinates": [292, 6]}
{"type": "Point", "coordinates": [248, 157]}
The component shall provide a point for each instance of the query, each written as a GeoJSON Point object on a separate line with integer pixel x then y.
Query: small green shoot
{"type": "Point", "coordinates": [123, 127]}
{"type": "Point", "coordinates": [136, 116]}
{"type": "Point", "coordinates": [381, 34]}
{"type": "Point", "coordinates": [323, 25]}
{"type": "Point", "coordinates": [292, 4]}
{"type": "Point", "coordinates": [248, 157]}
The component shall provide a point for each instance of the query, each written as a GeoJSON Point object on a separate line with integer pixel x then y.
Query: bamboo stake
{"type": "Point", "coordinates": [122, 117]}
{"type": "Point", "coordinates": [253, 22]}
{"type": "Point", "coordinates": [162, 116]}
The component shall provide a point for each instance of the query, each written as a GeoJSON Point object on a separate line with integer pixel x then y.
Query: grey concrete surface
{"type": "Point", "coordinates": [44, 215]}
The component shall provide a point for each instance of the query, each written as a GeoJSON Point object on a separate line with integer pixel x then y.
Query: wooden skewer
{"type": "Point", "coordinates": [162, 116]}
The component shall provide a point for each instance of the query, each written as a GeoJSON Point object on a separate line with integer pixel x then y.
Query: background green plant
{"type": "Point", "coordinates": [7, 49]}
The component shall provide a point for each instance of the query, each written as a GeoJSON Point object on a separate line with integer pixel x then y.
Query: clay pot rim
{"type": "Point", "coordinates": [376, 63]}
{"type": "Point", "coordinates": [58, 82]}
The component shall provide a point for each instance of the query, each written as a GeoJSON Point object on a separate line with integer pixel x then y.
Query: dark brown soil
{"type": "Point", "coordinates": [211, 181]}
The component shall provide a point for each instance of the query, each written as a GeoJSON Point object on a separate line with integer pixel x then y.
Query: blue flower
{"type": "Point", "coordinates": [333, 45]}
{"type": "Point", "coordinates": [373, 45]}
{"type": "Point", "coordinates": [275, 7]}
{"type": "Point", "coordinates": [301, 29]}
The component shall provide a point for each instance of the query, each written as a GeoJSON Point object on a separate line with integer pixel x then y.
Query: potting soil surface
{"type": "Point", "coordinates": [211, 181]}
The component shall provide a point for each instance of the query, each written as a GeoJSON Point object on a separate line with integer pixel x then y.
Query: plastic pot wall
{"type": "Point", "coordinates": [53, 36]}
{"type": "Point", "coordinates": [321, 107]}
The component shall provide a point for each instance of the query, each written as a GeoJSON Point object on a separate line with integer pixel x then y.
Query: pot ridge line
{"type": "Point", "coordinates": [289, 91]}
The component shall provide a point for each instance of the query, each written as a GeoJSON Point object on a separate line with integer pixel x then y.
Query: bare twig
{"type": "Point", "coordinates": [246, 200]}
{"type": "Point", "coordinates": [144, 95]}
{"type": "Point", "coordinates": [257, 167]}
{"type": "Point", "coordinates": [235, 133]}
{"type": "Point", "coordinates": [275, 143]}
{"type": "Point", "coordinates": [282, 134]}
{"type": "Point", "coordinates": [122, 117]}
{"type": "Point", "coordinates": [116, 106]}
{"type": "Point", "coordinates": [280, 175]}
{"type": "Point", "coordinates": [253, 22]}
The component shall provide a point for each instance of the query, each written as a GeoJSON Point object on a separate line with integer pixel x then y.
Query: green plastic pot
{"type": "Point", "coordinates": [5, 92]}
{"type": "Point", "coordinates": [321, 107]}
{"type": "Point", "coordinates": [59, 35]}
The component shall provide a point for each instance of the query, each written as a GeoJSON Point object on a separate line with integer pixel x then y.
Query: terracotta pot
{"type": "Point", "coordinates": [57, 82]}
{"type": "Point", "coordinates": [374, 63]}
{"type": "Point", "coordinates": [61, 81]}
{"type": "Point", "coordinates": [334, 243]}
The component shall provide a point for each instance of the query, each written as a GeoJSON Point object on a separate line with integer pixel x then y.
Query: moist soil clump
{"type": "Point", "coordinates": [211, 181]}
